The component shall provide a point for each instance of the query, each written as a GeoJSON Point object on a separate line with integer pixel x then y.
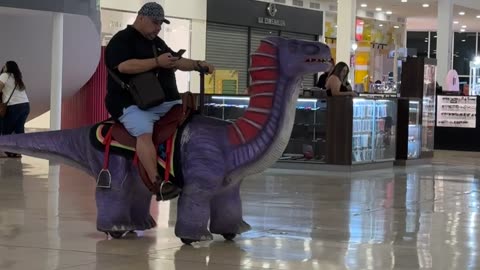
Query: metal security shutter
{"type": "Point", "coordinates": [308, 81]}
{"type": "Point", "coordinates": [227, 48]}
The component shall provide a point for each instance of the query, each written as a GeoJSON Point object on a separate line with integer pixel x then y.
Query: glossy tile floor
{"type": "Point", "coordinates": [420, 217]}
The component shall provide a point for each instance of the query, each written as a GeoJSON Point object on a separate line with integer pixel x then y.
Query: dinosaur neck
{"type": "Point", "coordinates": [262, 133]}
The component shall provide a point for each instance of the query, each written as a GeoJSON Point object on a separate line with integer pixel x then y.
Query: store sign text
{"type": "Point", "coordinates": [271, 21]}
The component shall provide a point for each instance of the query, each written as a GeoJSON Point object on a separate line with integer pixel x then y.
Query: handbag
{"type": "Point", "coordinates": [144, 88]}
{"type": "Point", "coordinates": [3, 105]}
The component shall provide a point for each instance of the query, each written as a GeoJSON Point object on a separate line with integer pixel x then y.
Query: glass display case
{"type": "Point", "coordinates": [308, 138]}
{"type": "Point", "coordinates": [428, 108]}
{"type": "Point", "coordinates": [414, 130]}
{"type": "Point", "coordinates": [474, 89]}
{"type": "Point", "coordinates": [373, 130]}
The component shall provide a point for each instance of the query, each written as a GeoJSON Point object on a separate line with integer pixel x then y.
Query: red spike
{"type": "Point", "coordinates": [261, 88]}
{"type": "Point", "coordinates": [261, 102]}
{"type": "Point", "coordinates": [266, 47]}
{"type": "Point", "coordinates": [267, 75]}
{"type": "Point", "coordinates": [263, 61]}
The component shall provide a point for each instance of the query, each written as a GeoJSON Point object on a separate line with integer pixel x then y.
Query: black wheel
{"type": "Point", "coordinates": [116, 235]}
{"type": "Point", "coordinates": [187, 241]}
{"type": "Point", "coordinates": [229, 236]}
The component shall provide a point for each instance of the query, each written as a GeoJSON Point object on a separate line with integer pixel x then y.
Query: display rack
{"type": "Point", "coordinates": [457, 111]}
{"type": "Point", "coordinates": [372, 130]}
{"type": "Point", "coordinates": [474, 87]}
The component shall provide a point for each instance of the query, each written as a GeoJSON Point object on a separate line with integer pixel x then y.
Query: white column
{"type": "Point", "coordinates": [444, 39]}
{"type": "Point", "coordinates": [57, 73]}
{"type": "Point", "coordinates": [345, 29]}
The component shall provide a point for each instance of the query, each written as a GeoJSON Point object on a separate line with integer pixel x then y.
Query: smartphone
{"type": "Point", "coordinates": [179, 53]}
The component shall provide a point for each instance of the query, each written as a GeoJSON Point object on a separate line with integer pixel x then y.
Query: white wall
{"type": "Point", "coordinates": [195, 10]}
{"type": "Point", "coordinates": [27, 40]}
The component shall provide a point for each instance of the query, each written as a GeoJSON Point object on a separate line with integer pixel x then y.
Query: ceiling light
{"type": "Point", "coordinates": [378, 9]}
{"type": "Point", "coordinates": [425, 5]}
{"type": "Point", "coordinates": [396, 27]}
{"type": "Point", "coordinates": [404, 1]}
{"type": "Point", "coordinates": [455, 22]}
{"type": "Point", "coordinates": [464, 26]}
{"type": "Point", "coordinates": [389, 12]}
{"type": "Point", "coordinates": [463, 40]}
{"type": "Point", "coordinates": [461, 13]}
{"type": "Point", "coordinates": [462, 30]}
{"type": "Point", "coordinates": [381, 25]}
{"type": "Point", "coordinates": [478, 16]}
{"type": "Point", "coordinates": [364, 5]}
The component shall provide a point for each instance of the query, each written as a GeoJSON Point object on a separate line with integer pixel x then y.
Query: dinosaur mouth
{"type": "Point", "coordinates": [316, 60]}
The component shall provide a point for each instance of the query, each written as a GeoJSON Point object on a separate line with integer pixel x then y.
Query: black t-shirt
{"type": "Point", "coordinates": [131, 44]}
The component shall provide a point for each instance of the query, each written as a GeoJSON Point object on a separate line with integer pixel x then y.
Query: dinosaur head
{"type": "Point", "coordinates": [301, 57]}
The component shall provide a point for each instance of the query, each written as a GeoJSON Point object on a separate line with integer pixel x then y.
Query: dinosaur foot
{"type": "Point", "coordinates": [226, 229]}
{"type": "Point", "coordinates": [229, 236]}
{"type": "Point", "coordinates": [116, 234]}
{"type": "Point", "coordinates": [189, 238]}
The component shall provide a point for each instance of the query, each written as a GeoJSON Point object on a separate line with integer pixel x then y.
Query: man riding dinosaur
{"type": "Point", "coordinates": [130, 52]}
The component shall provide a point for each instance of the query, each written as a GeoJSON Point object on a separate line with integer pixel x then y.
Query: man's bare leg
{"type": "Point", "coordinates": [148, 157]}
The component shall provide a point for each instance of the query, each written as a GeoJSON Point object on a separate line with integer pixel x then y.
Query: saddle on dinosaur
{"type": "Point", "coordinates": [111, 136]}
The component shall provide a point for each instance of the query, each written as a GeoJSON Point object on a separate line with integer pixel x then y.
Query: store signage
{"type": "Point", "coordinates": [272, 12]}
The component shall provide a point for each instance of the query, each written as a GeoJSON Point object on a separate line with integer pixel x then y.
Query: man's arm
{"type": "Point", "coordinates": [135, 66]}
{"type": "Point", "coordinates": [186, 64]}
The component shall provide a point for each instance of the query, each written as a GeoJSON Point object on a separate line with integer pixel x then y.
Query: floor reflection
{"type": "Point", "coordinates": [422, 217]}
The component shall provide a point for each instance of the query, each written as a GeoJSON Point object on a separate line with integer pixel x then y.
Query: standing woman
{"type": "Point", "coordinates": [13, 91]}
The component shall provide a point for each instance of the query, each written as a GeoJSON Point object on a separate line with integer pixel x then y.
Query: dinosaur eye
{"type": "Point", "coordinates": [310, 49]}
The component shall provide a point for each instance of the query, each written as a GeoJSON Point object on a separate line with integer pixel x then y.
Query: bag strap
{"type": "Point", "coordinates": [118, 80]}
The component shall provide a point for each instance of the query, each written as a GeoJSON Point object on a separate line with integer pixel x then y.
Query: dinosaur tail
{"type": "Point", "coordinates": [65, 146]}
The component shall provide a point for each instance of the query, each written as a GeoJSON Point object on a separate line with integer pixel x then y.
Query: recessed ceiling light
{"type": "Point", "coordinates": [464, 26]}
{"type": "Point", "coordinates": [389, 12]}
{"type": "Point", "coordinates": [462, 30]}
{"type": "Point", "coordinates": [425, 5]}
{"type": "Point", "coordinates": [455, 22]}
{"type": "Point", "coordinates": [478, 16]}
{"type": "Point", "coordinates": [364, 5]}
{"type": "Point", "coordinates": [378, 9]}
{"type": "Point", "coordinates": [404, 1]}
{"type": "Point", "coordinates": [381, 25]}
{"type": "Point", "coordinates": [461, 13]}
{"type": "Point", "coordinates": [396, 27]}
{"type": "Point", "coordinates": [463, 40]}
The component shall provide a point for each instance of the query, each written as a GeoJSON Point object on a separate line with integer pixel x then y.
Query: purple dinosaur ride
{"type": "Point", "coordinates": [215, 155]}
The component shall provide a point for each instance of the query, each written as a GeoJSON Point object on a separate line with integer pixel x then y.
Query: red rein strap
{"type": "Point", "coordinates": [107, 141]}
{"type": "Point", "coordinates": [168, 161]}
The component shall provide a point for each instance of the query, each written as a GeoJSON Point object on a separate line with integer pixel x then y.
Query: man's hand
{"type": "Point", "coordinates": [166, 60]}
{"type": "Point", "coordinates": [206, 66]}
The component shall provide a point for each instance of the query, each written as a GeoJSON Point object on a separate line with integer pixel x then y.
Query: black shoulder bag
{"type": "Point", "coordinates": [145, 88]}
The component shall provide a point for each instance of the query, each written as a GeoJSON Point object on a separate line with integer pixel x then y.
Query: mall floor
{"type": "Point", "coordinates": [419, 217]}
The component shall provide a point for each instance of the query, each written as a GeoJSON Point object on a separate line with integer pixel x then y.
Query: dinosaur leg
{"type": "Point", "coordinates": [226, 213]}
{"type": "Point", "coordinates": [193, 213]}
{"type": "Point", "coordinates": [124, 207]}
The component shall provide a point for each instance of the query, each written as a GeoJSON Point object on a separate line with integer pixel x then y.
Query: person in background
{"type": "Point", "coordinates": [13, 89]}
{"type": "Point", "coordinates": [322, 80]}
{"type": "Point", "coordinates": [337, 83]}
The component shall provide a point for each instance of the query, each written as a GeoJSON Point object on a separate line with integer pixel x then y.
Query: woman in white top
{"type": "Point", "coordinates": [13, 91]}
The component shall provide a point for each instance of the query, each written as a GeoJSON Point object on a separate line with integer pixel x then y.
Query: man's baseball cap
{"type": "Point", "coordinates": [154, 11]}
